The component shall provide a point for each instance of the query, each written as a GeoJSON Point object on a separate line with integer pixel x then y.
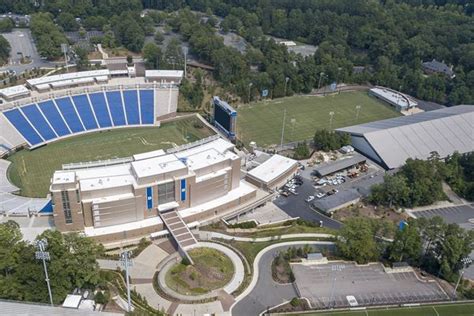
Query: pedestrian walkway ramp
{"type": "Point", "coordinates": [179, 230]}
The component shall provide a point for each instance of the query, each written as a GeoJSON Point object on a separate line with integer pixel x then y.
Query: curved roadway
{"type": "Point", "coordinates": [267, 293]}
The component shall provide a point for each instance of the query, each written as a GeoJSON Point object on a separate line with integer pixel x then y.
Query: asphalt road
{"type": "Point", "coordinates": [266, 293]}
{"type": "Point", "coordinates": [21, 41]}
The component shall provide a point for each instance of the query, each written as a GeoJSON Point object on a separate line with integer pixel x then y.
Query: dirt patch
{"type": "Point", "coordinates": [369, 211]}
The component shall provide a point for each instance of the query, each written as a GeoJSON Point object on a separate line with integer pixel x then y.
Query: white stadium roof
{"type": "Point", "coordinates": [68, 76]}
{"type": "Point", "coordinates": [164, 73]}
{"type": "Point", "coordinates": [14, 91]}
{"type": "Point", "coordinates": [415, 136]}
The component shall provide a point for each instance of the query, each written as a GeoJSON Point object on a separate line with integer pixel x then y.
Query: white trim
{"type": "Point", "coordinates": [139, 102]}
{"type": "Point", "coordinates": [92, 108]}
{"type": "Point", "coordinates": [123, 106]}
{"type": "Point", "coordinates": [60, 113]}
{"type": "Point", "coordinates": [77, 112]}
{"type": "Point", "coordinates": [32, 125]}
{"type": "Point", "coordinates": [108, 108]}
{"type": "Point", "coordinates": [46, 119]}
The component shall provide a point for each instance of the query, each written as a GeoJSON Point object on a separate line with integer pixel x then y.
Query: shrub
{"type": "Point", "coordinates": [294, 302]}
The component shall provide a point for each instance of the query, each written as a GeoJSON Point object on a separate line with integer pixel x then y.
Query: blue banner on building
{"type": "Point", "coordinates": [149, 197]}
{"type": "Point", "coordinates": [183, 189]}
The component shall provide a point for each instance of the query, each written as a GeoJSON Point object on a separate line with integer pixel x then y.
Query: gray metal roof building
{"type": "Point", "coordinates": [391, 142]}
{"type": "Point", "coordinates": [338, 165]}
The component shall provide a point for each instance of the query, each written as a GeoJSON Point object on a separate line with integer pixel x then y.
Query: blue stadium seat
{"type": "Point", "coordinates": [100, 109]}
{"type": "Point", "coordinates": [23, 126]}
{"type": "Point", "coordinates": [147, 106]}
{"type": "Point", "coordinates": [69, 113]}
{"type": "Point", "coordinates": [130, 97]}
{"type": "Point", "coordinates": [85, 111]}
{"type": "Point", "coordinates": [36, 118]}
{"type": "Point", "coordinates": [52, 114]}
{"type": "Point", "coordinates": [116, 108]}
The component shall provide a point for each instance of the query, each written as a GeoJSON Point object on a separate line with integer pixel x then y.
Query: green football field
{"type": "Point", "coordinates": [262, 121]}
{"type": "Point", "coordinates": [466, 309]}
{"type": "Point", "coordinates": [32, 170]}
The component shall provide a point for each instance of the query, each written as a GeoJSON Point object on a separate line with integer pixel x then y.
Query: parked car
{"type": "Point", "coordinates": [309, 198]}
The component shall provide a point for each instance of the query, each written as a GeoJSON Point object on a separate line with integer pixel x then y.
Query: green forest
{"type": "Point", "coordinates": [389, 38]}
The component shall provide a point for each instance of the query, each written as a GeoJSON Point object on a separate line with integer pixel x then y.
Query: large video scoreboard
{"type": "Point", "coordinates": [225, 117]}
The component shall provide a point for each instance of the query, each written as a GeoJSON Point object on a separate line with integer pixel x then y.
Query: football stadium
{"type": "Point", "coordinates": [109, 157]}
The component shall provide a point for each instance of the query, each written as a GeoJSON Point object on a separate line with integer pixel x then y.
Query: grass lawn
{"type": "Point", "coordinates": [211, 270]}
{"type": "Point", "coordinates": [262, 121]}
{"type": "Point", "coordinates": [32, 170]}
{"type": "Point", "coordinates": [461, 309]}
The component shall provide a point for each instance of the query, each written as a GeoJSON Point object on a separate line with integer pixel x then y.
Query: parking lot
{"type": "Point", "coordinates": [368, 284]}
{"type": "Point", "coordinates": [299, 197]}
{"type": "Point", "coordinates": [463, 215]}
{"type": "Point", "coordinates": [21, 42]}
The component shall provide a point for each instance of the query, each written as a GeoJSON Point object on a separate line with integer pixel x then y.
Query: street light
{"type": "Point", "coordinates": [250, 86]}
{"type": "Point", "coordinates": [127, 263]}
{"type": "Point", "coordinates": [358, 107]}
{"type": "Point", "coordinates": [286, 83]}
{"type": "Point", "coordinates": [465, 261]}
{"type": "Point", "coordinates": [283, 129]}
{"type": "Point", "coordinates": [41, 254]}
{"type": "Point", "coordinates": [331, 115]}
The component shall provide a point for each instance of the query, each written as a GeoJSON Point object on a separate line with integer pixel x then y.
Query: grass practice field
{"type": "Point", "coordinates": [262, 121]}
{"type": "Point", "coordinates": [32, 170]}
{"type": "Point", "coordinates": [466, 309]}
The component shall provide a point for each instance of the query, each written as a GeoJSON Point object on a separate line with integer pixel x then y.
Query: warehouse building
{"type": "Point", "coordinates": [332, 167]}
{"type": "Point", "coordinates": [273, 173]}
{"type": "Point", "coordinates": [391, 142]}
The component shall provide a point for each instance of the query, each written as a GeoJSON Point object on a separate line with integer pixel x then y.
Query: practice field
{"type": "Point", "coordinates": [262, 121]}
{"type": "Point", "coordinates": [32, 170]}
{"type": "Point", "coordinates": [461, 309]}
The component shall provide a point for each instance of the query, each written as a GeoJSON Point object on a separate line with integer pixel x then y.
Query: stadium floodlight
{"type": "Point", "coordinates": [465, 262]}
{"type": "Point", "coordinates": [286, 83]}
{"type": "Point", "coordinates": [125, 259]}
{"type": "Point", "coordinates": [358, 107]}
{"type": "Point", "coordinates": [41, 254]}
{"type": "Point", "coordinates": [250, 86]}
{"type": "Point", "coordinates": [331, 115]}
{"type": "Point", "coordinates": [185, 52]}
{"type": "Point", "coordinates": [283, 129]}
{"type": "Point", "coordinates": [64, 49]}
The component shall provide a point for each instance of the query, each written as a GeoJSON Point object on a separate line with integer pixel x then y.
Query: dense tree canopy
{"type": "Point", "coordinates": [47, 35]}
{"type": "Point", "coordinates": [73, 264]}
{"type": "Point", "coordinates": [4, 50]}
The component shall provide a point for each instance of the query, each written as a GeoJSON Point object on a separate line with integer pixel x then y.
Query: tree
{"type": "Point", "coordinates": [67, 22]}
{"type": "Point", "coordinates": [82, 61]}
{"type": "Point", "coordinates": [394, 191]}
{"type": "Point", "coordinates": [47, 35]}
{"type": "Point", "coordinates": [73, 265]}
{"type": "Point", "coordinates": [6, 25]}
{"type": "Point", "coordinates": [159, 37]}
{"type": "Point", "coordinates": [152, 55]}
{"type": "Point", "coordinates": [4, 50]}
{"type": "Point", "coordinates": [329, 140]}
{"type": "Point", "coordinates": [356, 240]}
{"type": "Point", "coordinates": [406, 244]}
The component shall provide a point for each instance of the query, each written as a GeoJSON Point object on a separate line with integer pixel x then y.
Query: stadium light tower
{"type": "Point", "coordinates": [41, 254]}
{"type": "Point", "coordinates": [127, 263]}
{"type": "Point", "coordinates": [358, 107]}
{"type": "Point", "coordinates": [283, 128]}
{"type": "Point", "coordinates": [64, 49]}
{"type": "Point", "coordinates": [331, 115]}
{"type": "Point", "coordinates": [286, 84]}
{"type": "Point", "coordinates": [465, 261]}
{"type": "Point", "coordinates": [250, 86]}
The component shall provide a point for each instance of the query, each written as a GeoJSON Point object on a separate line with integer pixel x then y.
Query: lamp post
{"type": "Point", "coordinates": [127, 263]}
{"type": "Point", "coordinates": [465, 261]}
{"type": "Point", "coordinates": [358, 107]}
{"type": "Point", "coordinates": [250, 86]}
{"type": "Point", "coordinates": [283, 129]}
{"type": "Point", "coordinates": [41, 254]}
{"type": "Point", "coordinates": [286, 83]}
{"type": "Point", "coordinates": [331, 115]}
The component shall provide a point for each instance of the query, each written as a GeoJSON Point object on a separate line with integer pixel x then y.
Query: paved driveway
{"type": "Point", "coordinates": [296, 206]}
{"type": "Point", "coordinates": [266, 293]}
